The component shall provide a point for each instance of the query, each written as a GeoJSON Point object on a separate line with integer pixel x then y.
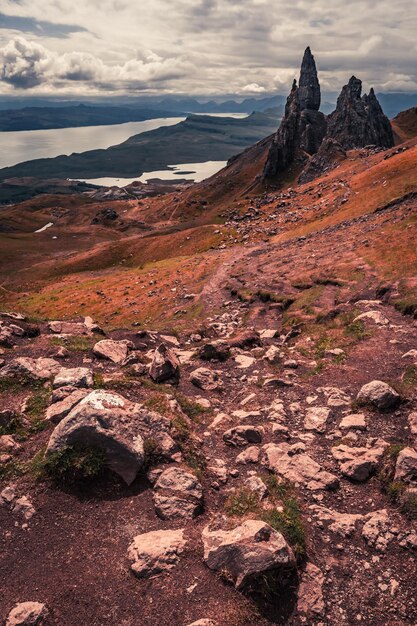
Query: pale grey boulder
{"type": "Point", "coordinates": [177, 494]}
{"type": "Point", "coordinates": [27, 614]}
{"type": "Point", "coordinates": [103, 420]}
{"type": "Point", "coordinates": [74, 377]}
{"type": "Point", "coordinates": [297, 467]}
{"type": "Point", "coordinates": [380, 395]}
{"type": "Point", "coordinates": [58, 410]}
{"type": "Point", "coordinates": [406, 466]}
{"type": "Point", "coordinates": [155, 552]}
{"type": "Point", "coordinates": [358, 463]}
{"type": "Point", "coordinates": [27, 367]}
{"type": "Point", "coordinates": [115, 351]}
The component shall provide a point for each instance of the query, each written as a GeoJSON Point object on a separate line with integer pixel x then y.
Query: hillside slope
{"type": "Point", "coordinates": [275, 308]}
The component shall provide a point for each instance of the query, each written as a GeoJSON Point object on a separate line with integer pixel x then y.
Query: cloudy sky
{"type": "Point", "coordinates": [202, 47]}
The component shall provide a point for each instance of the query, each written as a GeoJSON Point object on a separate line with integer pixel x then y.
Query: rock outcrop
{"type": "Point", "coordinates": [303, 126]}
{"type": "Point", "coordinates": [359, 121]}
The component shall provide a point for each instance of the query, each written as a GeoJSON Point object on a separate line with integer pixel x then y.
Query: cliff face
{"type": "Point", "coordinates": [303, 126]}
{"type": "Point", "coordinates": [306, 134]}
{"type": "Point", "coordinates": [358, 120]}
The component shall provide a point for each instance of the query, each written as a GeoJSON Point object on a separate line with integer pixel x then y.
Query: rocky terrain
{"type": "Point", "coordinates": [208, 397]}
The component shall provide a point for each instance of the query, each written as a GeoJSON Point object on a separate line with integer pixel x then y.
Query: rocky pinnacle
{"type": "Point", "coordinates": [309, 86]}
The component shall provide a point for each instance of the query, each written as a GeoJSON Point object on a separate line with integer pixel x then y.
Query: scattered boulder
{"type": "Point", "coordinates": [242, 435]}
{"type": "Point", "coordinates": [247, 552]}
{"type": "Point", "coordinates": [177, 494]}
{"type": "Point", "coordinates": [74, 377]}
{"type": "Point", "coordinates": [353, 421]}
{"type": "Point", "coordinates": [215, 351]}
{"type": "Point", "coordinates": [406, 466]}
{"type": "Point", "coordinates": [9, 444]}
{"type": "Point", "coordinates": [165, 366]}
{"type": "Point", "coordinates": [316, 418]}
{"type": "Point", "coordinates": [335, 397]}
{"type": "Point", "coordinates": [343, 524]}
{"type": "Point", "coordinates": [376, 530]}
{"type": "Point", "coordinates": [411, 354]}
{"type": "Point", "coordinates": [297, 467]}
{"type": "Point", "coordinates": [35, 369]}
{"type": "Point", "coordinates": [256, 485]}
{"type": "Point", "coordinates": [27, 614]}
{"type": "Point", "coordinates": [155, 552]}
{"type": "Point", "coordinates": [248, 338]}
{"type": "Point", "coordinates": [68, 328]}
{"type": "Point", "coordinates": [250, 455]}
{"type": "Point", "coordinates": [374, 316]}
{"type": "Point", "coordinates": [115, 351]}
{"type": "Point", "coordinates": [204, 378]}
{"type": "Point", "coordinates": [310, 593]}
{"type": "Point", "coordinates": [274, 355]}
{"type": "Point", "coordinates": [358, 463]}
{"type": "Point", "coordinates": [412, 422]}
{"type": "Point", "coordinates": [380, 395]}
{"type": "Point", "coordinates": [23, 506]}
{"type": "Point", "coordinates": [57, 411]}
{"type": "Point", "coordinates": [106, 421]}
{"type": "Point", "coordinates": [243, 361]}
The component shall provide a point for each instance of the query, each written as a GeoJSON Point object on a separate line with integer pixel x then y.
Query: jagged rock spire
{"type": "Point", "coordinates": [359, 121]}
{"type": "Point", "coordinates": [309, 86]}
{"type": "Point", "coordinates": [303, 126]}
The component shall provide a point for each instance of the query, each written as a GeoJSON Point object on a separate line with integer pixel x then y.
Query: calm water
{"type": "Point", "coordinates": [189, 171]}
{"type": "Point", "coordinates": [25, 145]}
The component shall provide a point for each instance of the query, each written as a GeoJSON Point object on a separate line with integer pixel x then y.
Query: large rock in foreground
{"type": "Point", "coordinates": [246, 552]}
{"type": "Point", "coordinates": [27, 614]}
{"type": "Point", "coordinates": [155, 552]}
{"type": "Point", "coordinates": [297, 468]}
{"type": "Point", "coordinates": [107, 421]}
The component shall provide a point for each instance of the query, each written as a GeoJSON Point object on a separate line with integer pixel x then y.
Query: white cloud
{"type": "Point", "coordinates": [25, 64]}
{"type": "Point", "coordinates": [253, 88]}
{"type": "Point", "coordinates": [204, 46]}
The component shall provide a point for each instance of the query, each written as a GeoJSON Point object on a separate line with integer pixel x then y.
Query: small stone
{"type": "Point", "coordinates": [27, 614]}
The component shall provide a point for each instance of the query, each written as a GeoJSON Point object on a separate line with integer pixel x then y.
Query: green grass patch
{"type": "Point", "coordinates": [75, 343]}
{"type": "Point", "coordinates": [285, 516]}
{"type": "Point", "coordinates": [407, 306]}
{"type": "Point", "coordinates": [74, 463]}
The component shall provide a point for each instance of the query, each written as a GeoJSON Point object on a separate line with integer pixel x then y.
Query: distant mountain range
{"type": "Point", "coordinates": [36, 113]}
